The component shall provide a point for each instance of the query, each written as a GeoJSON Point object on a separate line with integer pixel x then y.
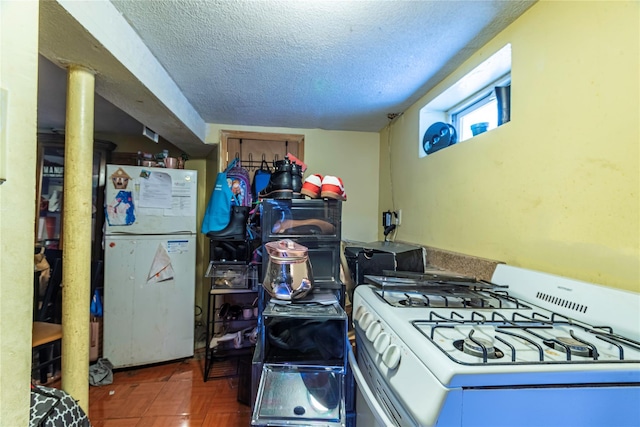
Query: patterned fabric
{"type": "Point", "coordinates": [51, 407]}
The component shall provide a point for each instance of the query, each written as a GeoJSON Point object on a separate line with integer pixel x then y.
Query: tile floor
{"type": "Point", "coordinates": [169, 395]}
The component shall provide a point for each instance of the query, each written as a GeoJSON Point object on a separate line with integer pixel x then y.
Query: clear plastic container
{"type": "Point", "coordinates": [300, 395]}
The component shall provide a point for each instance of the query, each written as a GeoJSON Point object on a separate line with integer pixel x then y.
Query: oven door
{"type": "Point", "coordinates": [369, 413]}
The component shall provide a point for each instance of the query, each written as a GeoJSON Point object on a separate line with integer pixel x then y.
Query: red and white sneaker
{"type": "Point", "coordinates": [311, 186]}
{"type": "Point", "coordinates": [333, 188]}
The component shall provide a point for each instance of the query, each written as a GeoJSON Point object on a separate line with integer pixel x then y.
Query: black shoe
{"type": "Point", "coordinates": [237, 227]}
{"type": "Point", "coordinates": [280, 184]}
{"type": "Point", "coordinates": [296, 181]}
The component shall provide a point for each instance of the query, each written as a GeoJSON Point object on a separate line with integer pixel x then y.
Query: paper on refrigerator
{"type": "Point", "coordinates": [183, 194]}
{"type": "Point", "coordinates": [161, 268]}
{"type": "Point", "coordinates": [155, 190]}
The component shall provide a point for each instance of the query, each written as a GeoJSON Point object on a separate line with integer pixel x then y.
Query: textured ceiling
{"type": "Point", "coordinates": [338, 65]}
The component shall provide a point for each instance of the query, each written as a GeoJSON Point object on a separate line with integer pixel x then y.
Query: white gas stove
{"type": "Point", "coordinates": [526, 349]}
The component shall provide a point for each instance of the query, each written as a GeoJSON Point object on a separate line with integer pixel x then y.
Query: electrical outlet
{"type": "Point", "coordinates": [399, 217]}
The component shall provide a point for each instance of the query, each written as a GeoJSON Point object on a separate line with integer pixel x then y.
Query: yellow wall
{"type": "Point", "coordinates": [202, 243]}
{"type": "Point", "coordinates": [557, 188]}
{"type": "Point", "coordinates": [18, 75]}
{"type": "Point", "coordinates": [353, 156]}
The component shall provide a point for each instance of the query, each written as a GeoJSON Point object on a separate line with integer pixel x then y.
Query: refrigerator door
{"type": "Point", "coordinates": [149, 298]}
{"type": "Point", "coordinates": [142, 200]}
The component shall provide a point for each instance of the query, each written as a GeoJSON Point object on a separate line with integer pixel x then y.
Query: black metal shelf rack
{"type": "Point", "coordinates": [233, 285]}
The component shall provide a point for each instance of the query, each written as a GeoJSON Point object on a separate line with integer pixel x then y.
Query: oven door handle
{"type": "Point", "coordinates": [367, 393]}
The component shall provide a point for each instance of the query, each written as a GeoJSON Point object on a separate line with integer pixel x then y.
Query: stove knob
{"type": "Point", "coordinates": [382, 342]}
{"type": "Point", "coordinates": [365, 321]}
{"type": "Point", "coordinates": [358, 314]}
{"type": "Point", "coordinates": [373, 330]}
{"type": "Point", "coordinates": [391, 357]}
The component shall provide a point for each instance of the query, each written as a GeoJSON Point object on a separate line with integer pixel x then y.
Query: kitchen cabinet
{"type": "Point", "coordinates": [50, 188]}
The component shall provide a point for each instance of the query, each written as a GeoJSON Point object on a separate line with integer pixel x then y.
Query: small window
{"type": "Point", "coordinates": [478, 115]}
{"type": "Point", "coordinates": [471, 100]}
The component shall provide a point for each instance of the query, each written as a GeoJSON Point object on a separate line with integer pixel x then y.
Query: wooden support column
{"type": "Point", "coordinates": [76, 270]}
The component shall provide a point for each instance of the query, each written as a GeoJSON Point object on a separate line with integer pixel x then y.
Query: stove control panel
{"type": "Point", "coordinates": [391, 357]}
{"type": "Point", "coordinates": [382, 342]}
{"type": "Point", "coordinates": [365, 320]}
{"type": "Point", "coordinates": [373, 331]}
{"type": "Point", "coordinates": [375, 334]}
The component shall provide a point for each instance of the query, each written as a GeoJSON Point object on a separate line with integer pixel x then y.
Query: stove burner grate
{"type": "Point", "coordinates": [534, 331]}
{"type": "Point", "coordinates": [460, 298]}
{"type": "Point", "coordinates": [478, 347]}
{"type": "Point", "coordinates": [413, 302]}
{"type": "Point", "coordinates": [571, 345]}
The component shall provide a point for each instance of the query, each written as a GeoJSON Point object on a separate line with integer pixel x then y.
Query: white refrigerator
{"type": "Point", "coordinates": [149, 264]}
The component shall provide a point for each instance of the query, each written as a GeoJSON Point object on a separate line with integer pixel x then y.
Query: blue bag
{"type": "Point", "coordinates": [96, 304]}
{"type": "Point", "coordinates": [218, 213]}
{"type": "Point", "coordinates": [261, 178]}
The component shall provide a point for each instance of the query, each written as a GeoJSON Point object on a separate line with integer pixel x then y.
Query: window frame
{"type": "Point", "coordinates": [492, 71]}
{"type": "Point", "coordinates": [475, 102]}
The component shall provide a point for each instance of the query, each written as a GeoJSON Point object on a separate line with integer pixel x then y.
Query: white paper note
{"type": "Point", "coordinates": [155, 191]}
{"type": "Point", "coordinates": [183, 199]}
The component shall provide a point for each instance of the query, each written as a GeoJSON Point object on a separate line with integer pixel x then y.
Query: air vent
{"type": "Point", "coordinates": [390, 407]}
{"type": "Point", "coordinates": [561, 302]}
{"type": "Point", "coordinates": [150, 134]}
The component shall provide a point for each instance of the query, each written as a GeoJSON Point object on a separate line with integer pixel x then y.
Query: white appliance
{"type": "Point", "coordinates": [526, 349]}
{"type": "Point", "coordinates": [149, 269]}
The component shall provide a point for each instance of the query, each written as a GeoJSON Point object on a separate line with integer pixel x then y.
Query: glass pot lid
{"type": "Point", "coordinates": [287, 251]}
